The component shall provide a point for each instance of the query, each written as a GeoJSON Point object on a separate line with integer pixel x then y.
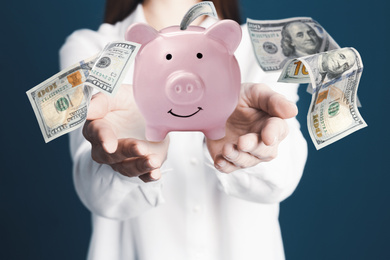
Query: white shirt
{"type": "Point", "coordinates": [194, 211]}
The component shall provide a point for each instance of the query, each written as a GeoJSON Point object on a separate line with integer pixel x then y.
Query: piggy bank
{"type": "Point", "coordinates": [186, 80]}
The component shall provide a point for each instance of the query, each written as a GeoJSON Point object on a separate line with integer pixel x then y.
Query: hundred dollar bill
{"type": "Point", "coordinates": [199, 9]}
{"type": "Point", "coordinates": [335, 76]}
{"type": "Point", "coordinates": [277, 41]}
{"type": "Point", "coordinates": [61, 102]}
{"type": "Point", "coordinates": [112, 65]}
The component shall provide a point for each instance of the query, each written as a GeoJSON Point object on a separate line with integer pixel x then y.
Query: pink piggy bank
{"type": "Point", "coordinates": [186, 80]}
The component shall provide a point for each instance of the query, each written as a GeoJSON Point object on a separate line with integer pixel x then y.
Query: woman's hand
{"type": "Point", "coordinates": [115, 128]}
{"type": "Point", "coordinates": [254, 130]}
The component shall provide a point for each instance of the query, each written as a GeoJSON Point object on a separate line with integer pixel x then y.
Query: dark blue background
{"type": "Point", "coordinates": [340, 209]}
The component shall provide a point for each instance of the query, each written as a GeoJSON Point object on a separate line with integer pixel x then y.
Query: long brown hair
{"type": "Point", "coordinates": [117, 10]}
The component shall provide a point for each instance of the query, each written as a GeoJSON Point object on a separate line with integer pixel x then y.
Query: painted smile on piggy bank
{"type": "Point", "coordinates": [170, 112]}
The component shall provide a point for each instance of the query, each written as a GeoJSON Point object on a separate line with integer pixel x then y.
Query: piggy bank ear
{"type": "Point", "coordinates": [226, 31]}
{"type": "Point", "coordinates": [140, 33]}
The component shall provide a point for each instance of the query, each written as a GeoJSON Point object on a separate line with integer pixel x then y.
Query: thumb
{"type": "Point", "coordinates": [98, 107]}
{"type": "Point", "coordinates": [262, 97]}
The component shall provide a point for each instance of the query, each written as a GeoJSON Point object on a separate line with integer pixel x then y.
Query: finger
{"type": "Point", "coordinates": [238, 158]}
{"type": "Point", "coordinates": [137, 166]}
{"type": "Point", "coordinates": [222, 165]}
{"type": "Point", "coordinates": [274, 131]}
{"type": "Point", "coordinates": [126, 148]}
{"type": "Point", "coordinates": [100, 133]}
{"type": "Point", "coordinates": [248, 142]}
{"type": "Point", "coordinates": [265, 153]}
{"type": "Point", "coordinates": [253, 145]}
{"type": "Point", "coordinates": [260, 96]}
{"type": "Point", "coordinates": [151, 176]}
{"type": "Point", "coordinates": [98, 107]}
{"type": "Point", "coordinates": [129, 147]}
{"type": "Point", "coordinates": [137, 148]}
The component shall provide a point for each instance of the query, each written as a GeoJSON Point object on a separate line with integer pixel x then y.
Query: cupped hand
{"type": "Point", "coordinates": [115, 128]}
{"type": "Point", "coordinates": [254, 130]}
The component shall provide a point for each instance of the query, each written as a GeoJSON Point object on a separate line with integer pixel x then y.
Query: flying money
{"type": "Point", "coordinates": [112, 65]}
{"type": "Point", "coordinates": [199, 9]}
{"type": "Point", "coordinates": [61, 102]}
{"type": "Point", "coordinates": [334, 76]}
{"type": "Point", "coordinates": [278, 41]}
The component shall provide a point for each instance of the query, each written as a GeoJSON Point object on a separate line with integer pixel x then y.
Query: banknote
{"type": "Point", "coordinates": [60, 103]}
{"type": "Point", "coordinates": [277, 41]}
{"type": "Point", "coordinates": [199, 9]}
{"type": "Point", "coordinates": [334, 76]}
{"type": "Point", "coordinates": [112, 65]}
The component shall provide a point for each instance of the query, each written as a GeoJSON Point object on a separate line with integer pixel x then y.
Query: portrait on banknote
{"type": "Point", "coordinates": [334, 79]}
{"type": "Point", "coordinates": [333, 111]}
{"type": "Point", "coordinates": [276, 42]}
{"type": "Point", "coordinates": [331, 65]}
{"type": "Point", "coordinates": [299, 39]}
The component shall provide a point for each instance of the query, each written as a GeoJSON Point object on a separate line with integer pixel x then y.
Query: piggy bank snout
{"type": "Point", "coordinates": [183, 88]}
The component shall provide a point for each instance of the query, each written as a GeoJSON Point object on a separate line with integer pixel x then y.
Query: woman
{"type": "Point", "coordinates": [174, 199]}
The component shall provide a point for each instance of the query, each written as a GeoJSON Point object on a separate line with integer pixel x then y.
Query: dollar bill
{"type": "Point", "coordinates": [60, 103]}
{"type": "Point", "coordinates": [334, 76]}
{"type": "Point", "coordinates": [199, 9]}
{"type": "Point", "coordinates": [277, 41]}
{"type": "Point", "coordinates": [112, 65]}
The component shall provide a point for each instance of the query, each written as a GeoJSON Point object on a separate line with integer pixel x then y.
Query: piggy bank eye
{"type": "Point", "coordinates": [169, 56]}
{"type": "Point", "coordinates": [199, 55]}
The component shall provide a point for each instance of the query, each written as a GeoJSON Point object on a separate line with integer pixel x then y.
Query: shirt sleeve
{"type": "Point", "coordinates": [102, 190]}
{"type": "Point", "coordinates": [274, 181]}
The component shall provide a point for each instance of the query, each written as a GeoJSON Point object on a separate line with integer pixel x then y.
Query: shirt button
{"type": "Point", "coordinates": [197, 209]}
{"type": "Point", "coordinates": [194, 161]}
